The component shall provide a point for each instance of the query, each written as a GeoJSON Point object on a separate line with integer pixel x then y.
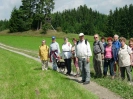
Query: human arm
{"type": "Point", "coordinates": [89, 52]}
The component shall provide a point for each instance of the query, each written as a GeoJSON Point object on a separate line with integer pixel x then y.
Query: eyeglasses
{"type": "Point", "coordinates": [95, 37]}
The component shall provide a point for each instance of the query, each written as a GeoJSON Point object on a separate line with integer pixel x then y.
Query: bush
{"type": "Point", "coordinates": [45, 27]}
{"type": "Point", "coordinates": [59, 29]}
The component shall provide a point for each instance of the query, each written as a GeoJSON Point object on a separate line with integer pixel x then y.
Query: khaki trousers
{"type": "Point", "coordinates": [44, 64]}
{"type": "Point", "coordinates": [97, 62]}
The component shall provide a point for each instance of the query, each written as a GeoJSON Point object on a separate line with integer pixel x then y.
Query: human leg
{"type": "Point", "coordinates": [122, 69]}
{"type": "Point", "coordinates": [128, 72]}
{"type": "Point", "coordinates": [43, 65]}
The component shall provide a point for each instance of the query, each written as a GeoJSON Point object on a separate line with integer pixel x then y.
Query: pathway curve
{"type": "Point", "coordinates": [101, 92]}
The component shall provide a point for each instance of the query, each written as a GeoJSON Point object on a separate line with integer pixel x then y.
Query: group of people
{"type": "Point", "coordinates": [107, 53]}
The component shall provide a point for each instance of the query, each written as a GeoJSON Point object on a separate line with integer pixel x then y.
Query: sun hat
{"type": "Point", "coordinates": [53, 37]}
{"type": "Point", "coordinates": [81, 34]}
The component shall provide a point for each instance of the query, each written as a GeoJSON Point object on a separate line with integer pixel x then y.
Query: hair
{"type": "Point", "coordinates": [43, 41]}
{"type": "Point", "coordinates": [65, 38]}
{"type": "Point", "coordinates": [96, 34]}
{"type": "Point", "coordinates": [122, 39]}
{"type": "Point", "coordinates": [130, 40]}
{"type": "Point", "coordinates": [109, 38]}
{"type": "Point", "coordinates": [116, 35]}
{"type": "Point", "coordinates": [103, 38]}
{"type": "Point", "coordinates": [74, 39]}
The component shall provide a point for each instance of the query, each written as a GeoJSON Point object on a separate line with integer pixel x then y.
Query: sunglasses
{"type": "Point", "coordinates": [95, 37]}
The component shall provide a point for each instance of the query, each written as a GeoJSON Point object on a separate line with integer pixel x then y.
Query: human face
{"type": "Point", "coordinates": [81, 38]}
{"type": "Point", "coordinates": [115, 38]}
{"type": "Point", "coordinates": [65, 40]}
{"type": "Point", "coordinates": [74, 42]}
{"type": "Point", "coordinates": [43, 42]}
{"type": "Point", "coordinates": [131, 44]}
{"type": "Point", "coordinates": [103, 40]}
{"type": "Point", "coordinates": [109, 42]}
{"type": "Point", "coordinates": [96, 38]}
{"type": "Point", "coordinates": [53, 40]}
{"type": "Point", "coordinates": [122, 43]}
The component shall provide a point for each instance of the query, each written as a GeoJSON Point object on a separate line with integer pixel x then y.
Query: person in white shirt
{"type": "Point", "coordinates": [54, 53]}
{"type": "Point", "coordinates": [83, 53]}
{"type": "Point", "coordinates": [125, 59]}
{"type": "Point", "coordinates": [66, 54]}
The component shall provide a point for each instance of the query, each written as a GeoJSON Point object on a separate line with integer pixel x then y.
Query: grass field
{"type": "Point", "coordinates": [22, 78]}
{"type": "Point", "coordinates": [32, 43]}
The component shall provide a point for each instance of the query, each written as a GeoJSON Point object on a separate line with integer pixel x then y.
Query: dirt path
{"type": "Point", "coordinates": [101, 92]}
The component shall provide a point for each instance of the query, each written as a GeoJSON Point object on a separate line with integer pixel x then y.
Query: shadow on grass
{"type": "Point", "coordinates": [38, 68]}
{"type": "Point", "coordinates": [73, 79]}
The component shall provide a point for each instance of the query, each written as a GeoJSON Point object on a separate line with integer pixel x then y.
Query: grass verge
{"type": "Point", "coordinates": [22, 78]}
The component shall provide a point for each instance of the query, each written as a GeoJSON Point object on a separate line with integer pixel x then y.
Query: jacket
{"type": "Point", "coordinates": [44, 52]}
{"type": "Point", "coordinates": [114, 52]}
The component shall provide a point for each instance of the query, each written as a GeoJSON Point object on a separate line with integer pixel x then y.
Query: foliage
{"type": "Point", "coordinates": [121, 22]}
{"type": "Point", "coordinates": [30, 15]}
{"type": "Point", "coordinates": [78, 20]}
{"type": "Point", "coordinates": [4, 24]}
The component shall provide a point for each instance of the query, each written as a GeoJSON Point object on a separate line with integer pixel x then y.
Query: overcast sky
{"type": "Point", "coordinates": [103, 6]}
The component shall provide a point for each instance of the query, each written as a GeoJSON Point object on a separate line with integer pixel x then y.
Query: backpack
{"type": "Point", "coordinates": [85, 42]}
{"type": "Point", "coordinates": [98, 45]}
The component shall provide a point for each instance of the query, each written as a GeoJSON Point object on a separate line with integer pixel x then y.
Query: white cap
{"type": "Point", "coordinates": [81, 34]}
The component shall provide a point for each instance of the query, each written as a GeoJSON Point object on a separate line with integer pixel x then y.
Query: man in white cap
{"type": "Point", "coordinates": [54, 53]}
{"type": "Point", "coordinates": [83, 53]}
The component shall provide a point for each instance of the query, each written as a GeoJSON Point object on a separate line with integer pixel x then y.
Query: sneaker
{"type": "Point", "coordinates": [86, 82]}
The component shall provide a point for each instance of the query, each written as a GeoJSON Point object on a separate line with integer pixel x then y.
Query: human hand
{"type": "Point", "coordinates": [88, 60]}
{"type": "Point", "coordinates": [102, 56]}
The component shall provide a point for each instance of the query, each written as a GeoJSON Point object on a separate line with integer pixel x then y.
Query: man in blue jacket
{"type": "Point", "coordinates": [117, 44]}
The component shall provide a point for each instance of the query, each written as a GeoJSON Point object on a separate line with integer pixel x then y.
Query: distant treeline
{"type": "Point", "coordinates": [84, 19]}
{"type": "Point", "coordinates": [4, 24]}
{"type": "Point", "coordinates": [34, 15]}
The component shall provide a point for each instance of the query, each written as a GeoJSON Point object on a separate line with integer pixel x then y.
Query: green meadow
{"type": "Point", "coordinates": [32, 43]}
{"type": "Point", "coordinates": [22, 78]}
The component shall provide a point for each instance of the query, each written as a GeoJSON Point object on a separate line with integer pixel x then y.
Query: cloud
{"type": "Point", "coordinates": [60, 5]}
{"type": "Point", "coordinates": [6, 6]}
{"type": "Point", "coordinates": [103, 6]}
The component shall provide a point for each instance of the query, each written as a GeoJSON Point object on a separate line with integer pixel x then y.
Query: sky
{"type": "Point", "coordinates": [103, 6]}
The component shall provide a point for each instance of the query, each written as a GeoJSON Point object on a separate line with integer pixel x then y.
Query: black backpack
{"type": "Point", "coordinates": [85, 41]}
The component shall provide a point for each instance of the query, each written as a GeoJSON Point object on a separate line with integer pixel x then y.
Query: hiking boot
{"type": "Point", "coordinates": [86, 82]}
{"type": "Point", "coordinates": [82, 81]}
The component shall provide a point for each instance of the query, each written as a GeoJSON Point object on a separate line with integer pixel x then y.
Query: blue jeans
{"type": "Point", "coordinates": [82, 62]}
{"type": "Point", "coordinates": [54, 63]}
{"type": "Point", "coordinates": [108, 63]}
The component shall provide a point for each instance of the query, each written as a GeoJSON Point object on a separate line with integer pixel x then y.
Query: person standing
{"type": "Point", "coordinates": [110, 57]}
{"type": "Point", "coordinates": [103, 40]}
{"type": "Point", "coordinates": [117, 44]}
{"type": "Point", "coordinates": [44, 55]}
{"type": "Point", "coordinates": [67, 55]}
{"type": "Point", "coordinates": [98, 50]}
{"type": "Point", "coordinates": [74, 58]}
{"type": "Point", "coordinates": [125, 60]}
{"type": "Point", "coordinates": [82, 54]}
{"type": "Point", "coordinates": [54, 53]}
{"type": "Point", "coordinates": [131, 46]}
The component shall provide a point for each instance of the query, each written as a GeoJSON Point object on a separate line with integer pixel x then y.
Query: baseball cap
{"type": "Point", "coordinates": [53, 37]}
{"type": "Point", "coordinates": [81, 34]}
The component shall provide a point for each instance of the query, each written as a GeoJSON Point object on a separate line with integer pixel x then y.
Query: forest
{"type": "Point", "coordinates": [37, 15]}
